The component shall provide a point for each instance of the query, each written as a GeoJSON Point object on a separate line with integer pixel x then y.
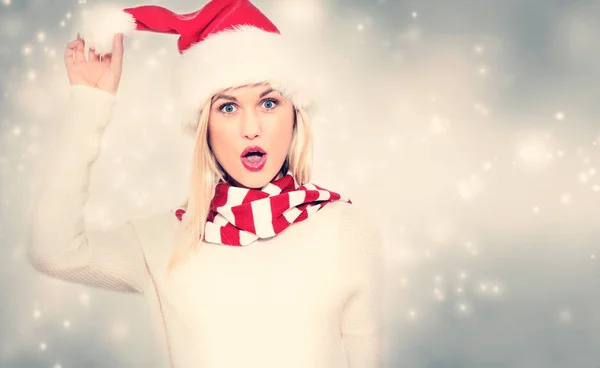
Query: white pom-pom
{"type": "Point", "coordinates": [99, 25]}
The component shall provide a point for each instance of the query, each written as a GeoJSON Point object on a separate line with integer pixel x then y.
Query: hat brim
{"type": "Point", "coordinates": [238, 57]}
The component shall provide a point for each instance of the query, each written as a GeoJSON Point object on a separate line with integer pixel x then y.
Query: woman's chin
{"type": "Point", "coordinates": [254, 179]}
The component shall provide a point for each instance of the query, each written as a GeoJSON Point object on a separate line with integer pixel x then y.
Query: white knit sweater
{"type": "Point", "coordinates": [309, 297]}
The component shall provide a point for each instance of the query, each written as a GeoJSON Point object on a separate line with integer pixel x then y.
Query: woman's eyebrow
{"type": "Point", "coordinates": [225, 97]}
{"type": "Point", "coordinates": [232, 98]}
{"type": "Point", "coordinates": [267, 92]}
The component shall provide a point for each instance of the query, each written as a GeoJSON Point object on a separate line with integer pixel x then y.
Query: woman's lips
{"type": "Point", "coordinates": [254, 164]}
{"type": "Point", "coordinates": [254, 158]}
{"type": "Point", "coordinates": [251, 149]}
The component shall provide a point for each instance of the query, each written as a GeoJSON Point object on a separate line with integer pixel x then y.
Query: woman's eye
{"type": "Point", "coordinates": [269, 104]}
{"type": "Point", "coordinates": [228, 108]}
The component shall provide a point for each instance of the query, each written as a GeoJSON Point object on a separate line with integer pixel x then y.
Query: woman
{"type": "Point", "coordinates": [259, 268]}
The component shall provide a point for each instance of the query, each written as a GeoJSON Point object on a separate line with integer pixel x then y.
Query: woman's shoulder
{"type": "Point", "coordinates": [351, 221]}
{"type": "Point", "coordinates": [156, 232]}
{"type": "Point", "coordinates": [351, 215]}
{"type": "Point", "coordinates": [155, 222]}
{"type": "Point", "coordinates": [358, 229]}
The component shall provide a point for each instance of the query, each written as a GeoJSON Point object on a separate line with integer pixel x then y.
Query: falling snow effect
{"type": "Point", "coordinates": [471, 134]}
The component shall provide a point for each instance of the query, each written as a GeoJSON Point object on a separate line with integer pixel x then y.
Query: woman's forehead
{"type": "Point", "coordinates": [249, 88]}
{"type": "Point", "coordinates": [257, 90]}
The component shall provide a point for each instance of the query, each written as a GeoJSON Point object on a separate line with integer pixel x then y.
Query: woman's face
{"type": "Point", "coordinates": [250, 131]}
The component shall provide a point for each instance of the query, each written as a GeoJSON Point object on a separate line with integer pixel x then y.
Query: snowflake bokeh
{"type": "Point", "coordinates": [469, 133]}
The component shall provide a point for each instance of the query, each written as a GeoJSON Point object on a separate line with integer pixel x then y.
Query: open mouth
{"type": "Point", "coordinates": [254, 158]}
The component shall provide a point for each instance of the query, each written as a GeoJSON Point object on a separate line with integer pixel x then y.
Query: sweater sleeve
{"type": "Point", "coordinates": [59, 244]}
{"type": "Point", "coordinates": [361, 322]}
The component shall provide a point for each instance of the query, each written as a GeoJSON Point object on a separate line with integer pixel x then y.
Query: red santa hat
{"type": "Point", "coordinates": [226, 44]}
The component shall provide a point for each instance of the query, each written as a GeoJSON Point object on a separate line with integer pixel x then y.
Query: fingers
{"type": "Point", "coordinates": [107, 59]}
{"type": "Point", "coordinates": [78, 53]}
{"type": "Point", "coordinates": [92, 55]}
{"type": "Point", "coordinates": [69, 50]}
{"type": "Point", "coordinates": [116, 62]}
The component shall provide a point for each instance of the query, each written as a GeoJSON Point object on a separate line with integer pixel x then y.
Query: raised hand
{"type": "Point", "coordinates": [102, 72]}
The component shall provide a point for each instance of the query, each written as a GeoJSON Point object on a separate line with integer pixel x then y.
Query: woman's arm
{"type": "Point", "coordinates": [60, 245]}
{"type": "Point", "coordinates": [361, 324]}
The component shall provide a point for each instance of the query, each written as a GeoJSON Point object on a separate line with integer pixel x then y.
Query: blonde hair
{"type": "Point", "coordinates": [206, 172]}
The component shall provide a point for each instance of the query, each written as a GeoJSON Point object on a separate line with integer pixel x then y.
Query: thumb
{"type": "Point", "coordinates": [116, 60]}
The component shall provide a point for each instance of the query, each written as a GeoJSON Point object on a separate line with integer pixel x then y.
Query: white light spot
{"type": "Point", "coordinates": [414, 15]}
{"type": "Point", "coordinates": [393, 142]}
{"type": "Point", "coordinates": [463, 309]}
{"type": "Point", "coordinates": [26, 50]}
{"type": "Point", "coordinates": [559, 116]}
{"type": "Point", "coordinates": [438, 125]}
{"type": "Point", "coordinates": [84, 298]}
{"type": "Point", "coordinates": [152, 62]}
{"type": "Point", "coordinates": [43, 346]}
{"type": "Point", "coordinates": [565, 198]}
{"type": "Point", "coordinates": [470, 188]}
{"type": "Point", "coordinates": [565, 316]}
{"type": "Point", "coordinates": [534, 152]}
{"type": "Point", "coordinates": [120, 330]}
{"type": "Point", "coordinates": [482, 110]}
{"type": "Point", "coordinates": [41, 36]}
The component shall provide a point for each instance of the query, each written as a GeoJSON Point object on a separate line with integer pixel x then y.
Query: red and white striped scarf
{"type": "Point", "coordinates": [239, 216]}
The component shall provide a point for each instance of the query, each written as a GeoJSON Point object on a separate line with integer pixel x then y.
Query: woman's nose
{"type": "Point", "coordinates": [250, 126]}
